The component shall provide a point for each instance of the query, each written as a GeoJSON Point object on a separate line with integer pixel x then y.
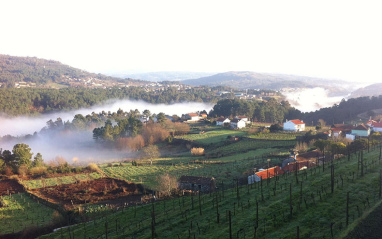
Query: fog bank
{"type": "Point", "coordinates": [311, 99]}
{"type": "Point", "coordinates": [19, 126]}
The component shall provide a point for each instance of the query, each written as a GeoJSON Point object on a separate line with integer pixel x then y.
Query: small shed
{"type": "Point", "coordinates": [193, 183]}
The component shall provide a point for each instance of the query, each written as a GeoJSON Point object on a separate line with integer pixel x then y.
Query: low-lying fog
{"type": "Point", "coordinates": [80, 147]}
{"type": "Point", "coordinates": [311, 99]}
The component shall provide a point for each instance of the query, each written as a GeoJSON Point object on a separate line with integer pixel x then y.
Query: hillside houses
{"type": "Point", "coordinates": [350, 131]}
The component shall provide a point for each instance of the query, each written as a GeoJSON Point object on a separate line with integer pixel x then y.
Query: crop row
{"type": "Point", "coordinates": [46, 182]}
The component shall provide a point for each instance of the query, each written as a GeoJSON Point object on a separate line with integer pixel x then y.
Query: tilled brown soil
{"type": "Point", "coordinates": [10, 186]}
{"type": "Point", "coordinates": [93, 191]}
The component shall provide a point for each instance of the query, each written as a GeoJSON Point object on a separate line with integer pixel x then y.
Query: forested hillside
{"type": "Point", "coordinates": [346, 111]}
{"type": "Point", "coordinates": [42, 72]}
{"type": "Point", "coordinates": [30, 101]}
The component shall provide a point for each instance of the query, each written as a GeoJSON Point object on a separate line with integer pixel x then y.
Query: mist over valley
{"type": "Point", "coordinates": [80, 147]}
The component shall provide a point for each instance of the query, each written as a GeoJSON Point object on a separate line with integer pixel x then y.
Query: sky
{"type": "Point", "coordinates": [328, 39]}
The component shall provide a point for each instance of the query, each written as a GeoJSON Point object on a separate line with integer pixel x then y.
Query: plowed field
{"type": "Point", "coordinates": [10, 186]}
{"type": "Point", "coordinates": [94, 191]}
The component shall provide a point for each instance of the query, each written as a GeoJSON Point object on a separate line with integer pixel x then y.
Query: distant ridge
{"type": "Point", "coordinates": [254, 80]}
{"type": "Point", "coordinates": [371, 90]}
{"type": "Point", "coordinates": [42, 72]}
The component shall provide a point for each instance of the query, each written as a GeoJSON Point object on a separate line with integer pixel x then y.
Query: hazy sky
{"type": "Point", "coordinates": [331, 39]}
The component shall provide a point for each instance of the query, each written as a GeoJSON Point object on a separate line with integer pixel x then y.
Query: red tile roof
{"type": "Point", "coordinates": [271, 172]}
{"type": "Point", "coordinates": [297, 121]}
{"type": "Point", "coordinates": [193, 114]}
{"type": "Point", "coordinates": [377, 124]}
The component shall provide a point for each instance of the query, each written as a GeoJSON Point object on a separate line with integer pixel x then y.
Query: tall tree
{"type": "Point", "coordinates": [22, 155]}
{"type": "Point", "coordinates": [38, 160]}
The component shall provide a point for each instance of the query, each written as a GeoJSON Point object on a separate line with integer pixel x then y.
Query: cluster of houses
{"type": "Point", "coordinates": [351, 132]}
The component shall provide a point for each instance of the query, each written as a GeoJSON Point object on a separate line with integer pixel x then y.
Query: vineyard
{"type": "Point", "coordinates": [19, 212]}
{"type": "Point", "coordinates": [320, 202]}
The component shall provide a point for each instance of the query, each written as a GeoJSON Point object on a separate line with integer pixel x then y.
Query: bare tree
{"type": "Point", "coordinates": [151, 152]}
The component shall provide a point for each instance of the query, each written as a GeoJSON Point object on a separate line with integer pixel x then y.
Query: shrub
{"type": "Point", "coordinates": [23, 170]}
{"type": "Point", "coordinates": [197, 151]}
{"type": "Point", "coordinates": [93, 167]}
{"type": "Point", "coordinates": [37, 171]}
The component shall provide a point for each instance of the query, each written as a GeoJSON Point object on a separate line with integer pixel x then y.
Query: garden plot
{"type": "Point", "coordinates": [94, 191]}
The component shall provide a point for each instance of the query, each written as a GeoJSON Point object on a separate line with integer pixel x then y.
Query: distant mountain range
{"type": "Point", "coordinates": [49, 73]}
{"type": "Point", "coordinates": [254, 80]}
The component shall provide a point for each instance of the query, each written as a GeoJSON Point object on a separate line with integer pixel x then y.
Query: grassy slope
{"type": "Point", "coordinates": [313, 212]}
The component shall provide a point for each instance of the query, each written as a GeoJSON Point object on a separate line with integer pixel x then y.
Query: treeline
{"type": "Point", "coordinates": [40, 71]}
{"type": "Point", "coordinates": [259, 111]}
{"type": "Point", "coordinates": [32, 101]}
{"type": "Point", "coordinates": [346, 110]}
{"type": "Point", "coordinates": [273, 111]}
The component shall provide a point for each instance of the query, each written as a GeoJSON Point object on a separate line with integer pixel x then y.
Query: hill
{"type": "Point", "coordinates": [254, 80]}
{"type": "Point", "coordinates": [35, 72]}
{"type": "Point", "coordinates": [371, 90]}
{"type": "Point", "coordinates": [163, 75]}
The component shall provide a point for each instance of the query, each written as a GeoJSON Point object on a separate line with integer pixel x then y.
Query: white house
{"type": "Point", "coordinates": [222, 121]}
{"type": "Point", "coordinates": [294, 125]}
{"type": "Point", "coordinates": [237, 124]}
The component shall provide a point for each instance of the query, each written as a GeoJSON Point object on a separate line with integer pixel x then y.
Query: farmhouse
{"type": "Point", "coordinates": [191, 117]}
{"type": "Point", "coordinates": [222, 121]}
{"type": "Point", "coordinates": [194, 183]}
{"type": "Point", "coordinates": [237, 124]}
{"type": "Point", "coordinates": [268, 173]}
{"type": "Point", "coordinates": [294, 125]}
